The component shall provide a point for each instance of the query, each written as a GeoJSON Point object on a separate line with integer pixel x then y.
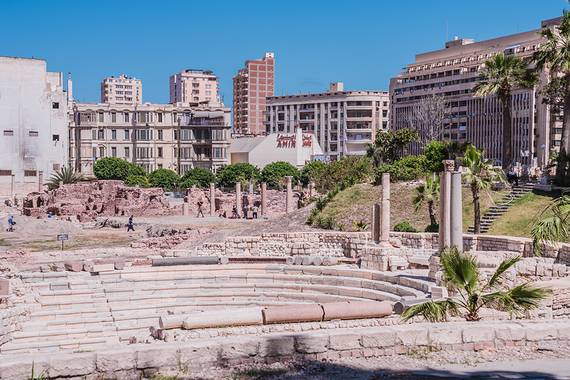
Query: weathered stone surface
{"type": "Point", "coordinates": [477, 333]}
{"type": "Point", "coordinates": [157, 356]}
{"type": "Point", "coordinates": [385, 337]}
{"type": "Point", "coordinates": [411, 336]}
{"type": "Point", "coordinates": [67, 365]}
{"type": "Point", "coordinates": [4, 287]}
{"type": "Point", "coordinates": [311, 343]}
{"type": "Point", "coordinates": [296, 313]}
{"type": "Point", "coordinates": [116, 360]}
{"type": "Point", "coordinates": [445, 335]}
{"type": "Point", "coordinates": [343, 342]}
{"type": "Point", "coordinates": [278, 345]}
{"type": "Point", "coordinates": [224, 318]}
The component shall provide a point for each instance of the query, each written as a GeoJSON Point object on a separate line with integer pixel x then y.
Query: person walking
{"type": "Point", "coordinates": [130, 225]}
{"type": "Point", "coordinates": [11, 223]}
{"type": "Point", "coordinates": [200, 210]}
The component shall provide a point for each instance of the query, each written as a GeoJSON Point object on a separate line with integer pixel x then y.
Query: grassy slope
{"type": "Point", "coordinates": [355, 204]}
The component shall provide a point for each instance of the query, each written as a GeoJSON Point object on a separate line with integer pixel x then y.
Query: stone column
{"type": "Point", "coordinates": [263, 199]}
{"type": "Point", "coordinates": [40, 181]}
{"type": "Point", "coordinates": [456, 212]}
{"type": "Point", "coordinates": [311, 188]}
{"type": "Point", "coordinates": [445, 205]}
{"type": "Point", "coordinates": [212, 199]}
{"type": "Point", "coordinates": [375, 223]}
{"type": "Point", "coordinates": [385, 218]}
{"type": "Point", "coordinates": [250, 188]}
{"type": "Point", "coordinates": [12, 187]}
{"type": "Point", "coordinates": [289, 196]}
{"type": "Point", "coordinates": [238, 198]}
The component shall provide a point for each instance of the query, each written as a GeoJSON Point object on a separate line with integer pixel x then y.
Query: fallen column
{"type": "Point", "coordinates": [356, 310]}
{"type": "Point", "coordinates": [197, 260]}
{"type": "Point", "coordinates": [224, 318]}
{"type": "Point", "coordinates": [295, 313]}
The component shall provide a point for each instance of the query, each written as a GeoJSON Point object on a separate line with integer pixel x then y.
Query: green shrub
{"type": "Point", "coordinates": [241, 172]}
{"type": "Point", "coordinates": [199, 177]}
{"type": "Point", "coordinates": [311, 172]}
{"type": "Point", "coordinates": [435, 152]}
{"type": "Point", "coordinates": [350, 170]}
{"type": "Point", "coordinates": [165, 178]}
{"type": "Point", "coordinates": [404, 226]}
{"type": "Point", "coordinates": [65, 175]}
{"type": "Point", "coordinates": [137, 180]}
{"type": "Point", "coordinates": [274, 174]}
{"type": "Point", "coordinates": [115, 168]}
{"type": "Point", "coordinates": [324, 222]}
{"type": "Point", "coordinates": [406, 169]}
{"type": "Point", "coordinates": [432, 228]}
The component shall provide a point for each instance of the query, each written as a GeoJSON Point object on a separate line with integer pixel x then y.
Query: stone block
{"type": "Point", "coordinates": [242, 348]}
{"type": "Point", "coordinates": [510, 332]}
{"type": "Point", "coordinates": [381, 337]}
{"type": "Point", "coordinates": [115, 360]}
{"type": "Point", "coordinates": [478, 333]}
{"type": "Point", "coordinates": [68, 365]}
{"type": "Point", "coordinates": [410, 336]}
{"type": "Point", "coordinates": [341, 342]}
{"type": "Point", "coordinates": [4, 287]}
{"type": "Point", "coordinates": [445, 335]}
{"type": "Point", "coordinates": [277, 345]}
{"type": "Point", "coordinates": [73, 266]}
{"type": "Point", "coordinates": [541, 332]}
{"type": "Point", "coordinates": [97, 268]}
{"type": "Point", "coordinates": [157, 356]}
{"type": "Point", "coordinates": [311, 343]}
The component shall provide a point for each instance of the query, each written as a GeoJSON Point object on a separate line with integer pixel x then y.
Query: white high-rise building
{"type": "Point", "coordinates": [121, 90]}
{"type": "Point", "coordinates": [33, 125]}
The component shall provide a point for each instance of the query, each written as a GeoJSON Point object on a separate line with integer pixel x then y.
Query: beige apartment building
{"type": "Point", "coordinates": [195, 87]}
{"type": "Point", "coordinates": [344, 122]}
{"type": "Point", "coordinates": [148, 136]}
{"type": "Point", "coordinates": [121, 90]}
{"type": "Point", "coordinates": [252, 85]}
{"type": "Point", "coordinates": [452, 73]}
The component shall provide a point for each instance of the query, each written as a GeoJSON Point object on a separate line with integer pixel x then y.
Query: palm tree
{"type": "Point", "coordinates": [554, 54]}
{"type": "Point", "coordinates": [65, 175]}
{"type": "Point", "coordinates": [479, 174]}
{"type": "Point", "coordinates": [553, 224]}
{"type": "Point", "coordinates": [428, 192]}
{"type": "Point", "coordinates": [462, 277]}
{"type": "Point", "coordinates": [500, 76]}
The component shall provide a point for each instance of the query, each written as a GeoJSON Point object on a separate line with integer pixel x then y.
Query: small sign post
{"type": "Point", "coordinates": [62, 238]}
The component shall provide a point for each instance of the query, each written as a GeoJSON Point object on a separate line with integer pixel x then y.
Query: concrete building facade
{"type": "Point", "coordinates": [148, 136]}
{"type": "Point", "coordinates": [452, 73]}
{"type": "Point", "coordinates": [297, 149]}
{"type": "Point", "coordinates": [252, 85]}
{"type": "Point", "coordinates": [33, 124]}
{"type": "Point", "coordinates": [195, 87]}
{"type": "Point", "coordinates": [343, 122]}
{"type": "Point", "coordinates": [121, 90]}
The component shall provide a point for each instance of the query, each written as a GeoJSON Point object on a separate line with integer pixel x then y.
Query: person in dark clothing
{"type": "Point", "coordinates": [11, 224]}
{"type": "Point", "coordinates": [130, 225]}
{"type": "Point", "coordinates": [235, 214]}
{"type": "Point", "coordinates": [200, 210]}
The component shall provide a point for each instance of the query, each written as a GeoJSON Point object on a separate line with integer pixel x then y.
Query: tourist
{"type": "Point", "coordinates": [130, 225]}
{"type": "Point", "coordinates": [235, 214]}
{"type": "Point", "coordinates": [200, 211]}
{"type": "Point", "coordinates": [11, 223]}
{"type": "Point", "coordinates": [255, 209]}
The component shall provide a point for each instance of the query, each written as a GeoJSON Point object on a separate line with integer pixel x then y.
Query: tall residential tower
{"type": "Point", "coordinates": [121, 90]}
{"type": "Point", "coordinates": [195, 87]}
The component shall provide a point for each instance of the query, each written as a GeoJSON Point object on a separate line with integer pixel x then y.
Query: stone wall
{"type": "Point", "coordinates": [185, 358]}
{"type": "Point", "coordinates": [88, 200]}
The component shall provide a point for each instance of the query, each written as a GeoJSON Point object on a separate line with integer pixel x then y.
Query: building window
{"type": "Point", "coordinates": [160, 117]}
{"type": "Point", "coordinates": [113, 117]}
{"type": "Point", "coordinates": [5, 172]}
{"type": "Point", "coordinates": [101, 117]}
{"type": "Point", "coordinates": [113, 151]}
{"type": "Point", "coordinates": [127, 152]}
{"type": "Point", "coordinates": [8, 132]}
{"type": "Point", "coordinates": [101, 151]}
{"type": "Point", "coordinates": [159, 152]}
{"type": "Point", "coordinates": [160, 134]}
{"type": "Point", "coordinates": [54, 137]}
{"type": "Point", "coordinates": [113, 134]}
{"type": "Point", "coordinates": [126, 134]}
{"type": "Point", "coordinates": [33, 133]}
{"type": "Point", "coordinates": [126, 116]}
{"type": "Point", "coordinates": [55, 105]}
{"type": "Point", "coordinates": [30, 173]}
{"type": "Point", "coordinates": [100, 134]}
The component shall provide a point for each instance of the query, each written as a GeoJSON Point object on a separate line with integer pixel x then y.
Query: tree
{"type": "Point", "coordinates": [274, 173]}
{"type": "Point", "coordinates": [435, 152]}
{"type": "Point", "coordinates": [554, 54]}
{"type": "Point", "coordinates": [553, 223]}
{"type": "Point", "coordinates": [479, 174]}
{"type": "Point", "coordinates": [115, 168]}
{"type": "Point", "coordinates": [349, 169]}
{"type": "Point", "coordinates": [427, 118]}
{"type": "Point", "coordinates": [311, 172]}
{"type": "Point", "coordinates": [462, 277]}
{"type": "Point", "coordinates": [241, 172]}
{"type": "Point", "coordinates": [138, 181]}
{"type": "Point", "coordinates": [165, 178]}
{"type": "Point", "coordinates": [388, 145]}
{"type": "Point", "coordinates": [500, 76]}
{"type": "Point", "coordinates": [64, 175]}
{"type": "Point", "coordinates": [428, 193]}
{"type": "Point", "coordinates": [197, 177]}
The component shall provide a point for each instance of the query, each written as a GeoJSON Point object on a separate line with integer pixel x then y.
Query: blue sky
{"type": "Point", "coordinates": [362, 43]}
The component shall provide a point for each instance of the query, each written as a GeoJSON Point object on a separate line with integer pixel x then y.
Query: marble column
{"type": "Point", "coordinates": [40, 181]}
{"type": "Point", "coordinates": [238, 198]}
{"type": "Point", "coordinates": [456, 212]}
{"type": "Point", "coordinates": [375, 223]}
{"type": "Point", "coordinates": [263, 199]}
{"type": "Point", "coordinates": [289, 195]}
{"type": "Point", "coordinates": [212, 199]}
{"type": "Point", "coordinates": [385, 217]}
{"type": "Point", "coordinates": [445, 205]}
{"type": "Point", "coordinates": [12, 187]}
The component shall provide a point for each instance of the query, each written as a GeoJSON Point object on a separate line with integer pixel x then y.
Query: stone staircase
{"type": "Point", "coordinates": [502, 207]}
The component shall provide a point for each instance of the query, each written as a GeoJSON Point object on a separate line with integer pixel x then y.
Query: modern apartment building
{"type": "Point", "coordinates": [252, 85]}
{"type": "Point", "coordinates": [121, 90]}
{"type": "Point", "coordinates": [452, 73]}
{"type": "Point", "coordinates": [344, 122]}
{"type": "Point", "coordinates": [148, 135]}
{"type": "Point", "coordinates": [195, 87]}
{"type": "Point", "coordinates": [33, 124]}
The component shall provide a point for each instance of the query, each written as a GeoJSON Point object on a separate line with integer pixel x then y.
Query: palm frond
{"type": "Point", "coordinates": [498, 276]}
{"type": "Point", "coordinates": [459, 270]}
{"type": "Point", "coordinates": [516, 300]}
{"type": "Point", "coordinates": [432, 311]}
